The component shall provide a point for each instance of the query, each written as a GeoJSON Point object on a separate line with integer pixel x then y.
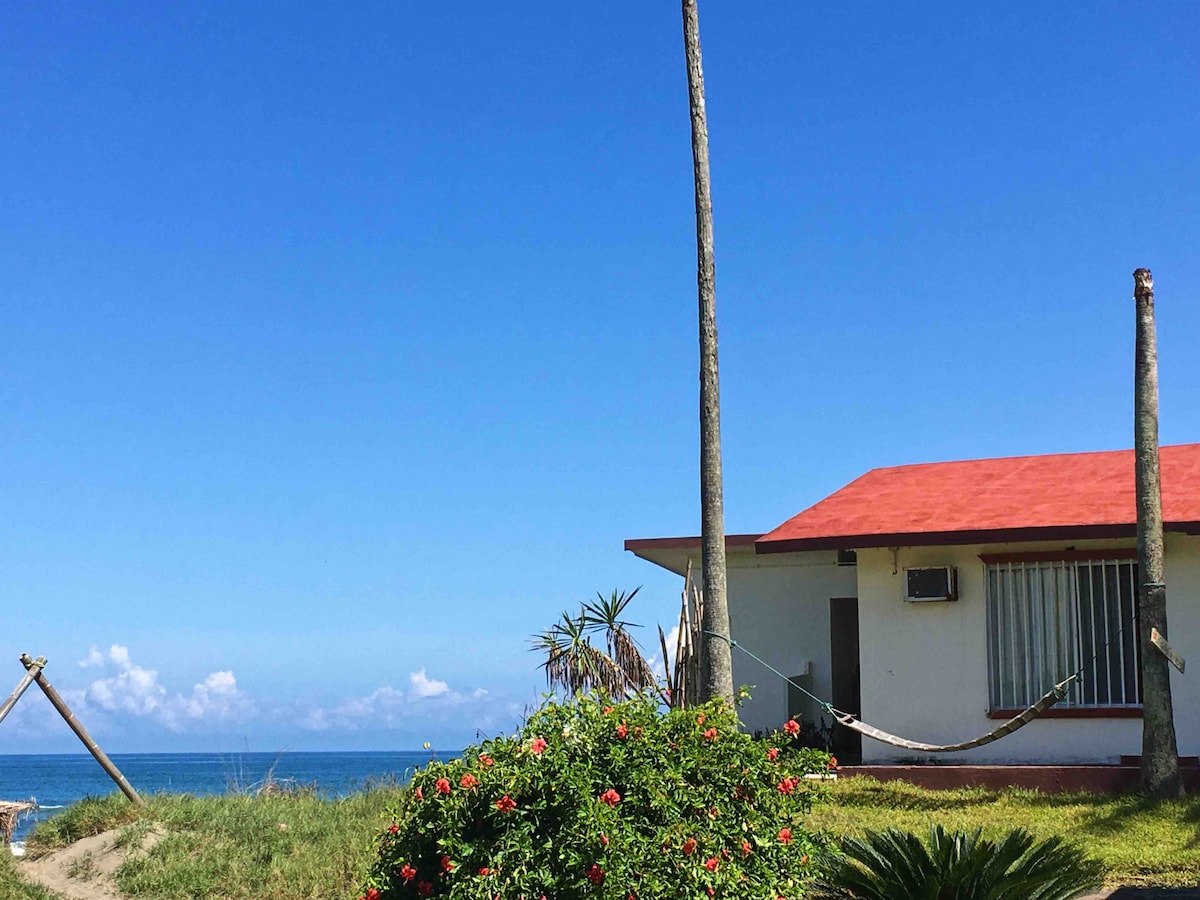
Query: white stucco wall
{"type": "Point", "coordinates": [924, 665]}
{"type": "Point", "coordinates": [779, 609]}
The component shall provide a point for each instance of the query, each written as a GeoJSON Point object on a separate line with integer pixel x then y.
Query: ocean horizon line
{"type": "Point", "coordinates": [280, 753]}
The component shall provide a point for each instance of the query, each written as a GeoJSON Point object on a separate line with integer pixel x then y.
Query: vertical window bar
{"type": "Point", "coordinates": [1066, 629]}
{"type": "Point", "coordinates": [1092, 625]}
{"type": "Point", "coordinates": [1119, 637]}
{"type": "Point", "coordinates": [1071, 628]}
{"type": "Point", "coordinates": [1107, 634]}
{"type": "Point", "coordinates": [1025, 638]}
{"type": "Point", "coordinates": [1012, 631]}
{"type": "Point", "coordinates": [1078, 610]}
{"type": "Point", "coordinates": [992, 629]}
{"type": "Point", "coordinates": [1129, 642]}
{"type": "Point", "coordinates": [1045, 648]}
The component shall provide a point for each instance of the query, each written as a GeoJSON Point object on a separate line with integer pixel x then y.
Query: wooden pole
{"type": "Point", "coordinates": [22, 687]}
{"type": "Point", "coordinates": [1160, 774]}
{"type": "Point", "coordinates": [76, 726]}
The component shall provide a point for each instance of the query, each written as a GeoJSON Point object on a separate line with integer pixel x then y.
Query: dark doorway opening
{"type": "Point", "coordinates": [844, 671]}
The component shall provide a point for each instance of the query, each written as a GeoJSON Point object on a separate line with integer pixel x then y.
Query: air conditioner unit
{"type": "Point", "coordinates": [930, 583]}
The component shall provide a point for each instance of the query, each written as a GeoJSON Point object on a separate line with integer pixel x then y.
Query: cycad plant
{"type": "Point", "coordinates": [574, 664]}
{"type": "Point", "coordinates": [897, 865]}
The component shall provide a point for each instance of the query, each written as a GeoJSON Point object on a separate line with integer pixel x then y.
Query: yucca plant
{"type": "Point", "coordinates": [897, 865]}
{"type": "Point", "coordinates": [574, 664]}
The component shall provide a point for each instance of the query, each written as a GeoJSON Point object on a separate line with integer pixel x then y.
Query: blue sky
{"type": "Point", "coordinates": [340, 349]}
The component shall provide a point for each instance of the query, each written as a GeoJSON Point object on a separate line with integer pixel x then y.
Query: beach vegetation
{"type": "Point", "coordinates": [234, 846]}
{"type": "Point", "coordinates": [1139, 841]}
{"type": "Point", "coordinates": [617, 667]}
{"type": "Point", "coordinates": [963, 865]}
{"type": "Point", "coordinates": [599, 798]}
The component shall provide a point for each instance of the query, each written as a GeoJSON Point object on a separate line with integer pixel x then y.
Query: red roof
{"type": "Point", "coordinates": [1063, 496]}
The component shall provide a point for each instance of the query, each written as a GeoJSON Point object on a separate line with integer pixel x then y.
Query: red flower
{"type": "Point", "coordinates": [622, 731]}
{"type": "Point", "coordinates": [371, 894]}
{"type": "Point", "coordinates": [711, 863]}
{"type": "Point", "coordinates": [506, 804]}
{"type": "Point", "coordinates": [773, 754]}
{"type": "Point", "coordinates": [607, 710]}
{"type": "Point", "coordinates": [832, 764]}
{"type": "Point", "coordinates": [485, 871]}
{"type": "Point", "coordinates": [485, 760]}
{"type": "Point", "coordinates": [407, 872]}
{"type": "Point", "coordinates": [689, 846]}
{"type": "Point", "coordinates": [637, 730]}
{"type": "Point", "coordinates": [537, 745]}
{"type": "Point", "coordinates": [595, 874]}
{"type": "Point", "coordinates": [469, 781]}
{"type": "Point", "coordinates": [785, 835]}
{"type": "Point", "coordinates": [792, 727]}
{"type": "Point", "coordinates": [443, 785]}
{"type": "Point", "coordinates": [393, 828]}
{"type": "Point", "coordinates": [788, 785]}
{"type": "Point", "coordinates": [746, 851]}
{"type": "Point", "coordinates": [604, 839]}
{"type": "Point", "coordinates": [611, 797]}
{"type": "Point", "coordinates": [804, 860]}
{"type": "Point", "coordinates": [447, 866]}
{"type": "Point", "coordinates": [711, 734]}
{"type": "Point", "coordinates": [711, 891]}
{"type": "Point", "coordinates": [424, 888]}
{"type": "Point", "coordinates": [420, 794]}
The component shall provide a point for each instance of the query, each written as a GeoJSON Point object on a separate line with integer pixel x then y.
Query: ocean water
{"type": "Point", "coordinates": [57, 780]}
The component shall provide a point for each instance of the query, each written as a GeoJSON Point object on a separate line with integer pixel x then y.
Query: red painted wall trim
{"type": "Point", "coordinates": [1056, 555]}
{"type": "Point", "coordinates": [957, 538]}
{"type": "Point", "coordinates": [1075, 712]}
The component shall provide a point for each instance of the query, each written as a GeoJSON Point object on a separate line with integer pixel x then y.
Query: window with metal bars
{"type": "Point", "coordinates": [1048, 619]}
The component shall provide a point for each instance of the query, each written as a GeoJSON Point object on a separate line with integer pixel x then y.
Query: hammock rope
{"type": "Point", "coordinates": [1053, 696]}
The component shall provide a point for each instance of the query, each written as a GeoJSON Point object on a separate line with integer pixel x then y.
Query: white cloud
{"type": "Point", "coordinates": [216, 699]}
{"type": "Point", "coordinates": [93, 659]}
{"type": "Point", "coordinates": [134, 691]}
{"type": "Point", "coordinates": [423, 686]}
{"type": "Point", "coordinates": [117, 695]}
{"type": "Point", "coordinates": [131, 690]}
{"type": "Point", "coordinates": [427, 699]}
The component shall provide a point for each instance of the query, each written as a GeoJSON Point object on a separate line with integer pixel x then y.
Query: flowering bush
{"type": "Point", "coordinates": [608, 801]}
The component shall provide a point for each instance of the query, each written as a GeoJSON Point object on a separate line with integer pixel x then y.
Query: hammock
{"type": "Point", "coordinates": [1058, 692]}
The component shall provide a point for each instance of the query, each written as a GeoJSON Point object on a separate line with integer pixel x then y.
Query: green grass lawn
{"type": "Point", "coordinates": [300, 845]}
{"type": "Point", "coordinates": [1141, 842]}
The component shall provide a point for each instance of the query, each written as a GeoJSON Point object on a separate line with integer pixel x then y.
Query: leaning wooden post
{"type": "Point", "coordinates": [20, 689]}
{"type": "Point", "coordinates": [1160, 776]}
{"type": "Point", "coordinates": [101, 757]}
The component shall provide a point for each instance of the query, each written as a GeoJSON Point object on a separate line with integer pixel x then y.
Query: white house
{"type": "Point", "coordinates": [937, 599]}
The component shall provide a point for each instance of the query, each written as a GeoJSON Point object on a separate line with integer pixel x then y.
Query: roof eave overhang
{"type": "Point", "coordinates": [958, 538]}
{"type": "Point", "coordinates": [634, 545]}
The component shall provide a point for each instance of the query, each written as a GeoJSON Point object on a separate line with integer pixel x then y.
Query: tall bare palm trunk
{"type": "Point", "coordinates": [1160, 752]}
{"type": "Point", "coordinates": [717, 665]}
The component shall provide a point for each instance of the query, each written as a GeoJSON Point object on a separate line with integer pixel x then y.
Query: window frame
{"type": "Point", "coordinates": [1118, 555]}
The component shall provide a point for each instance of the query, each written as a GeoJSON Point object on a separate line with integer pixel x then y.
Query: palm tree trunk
{"type": "Point", "coordinates": [717, 672]}
{"type": "Point", "coordinates": [1160, 775]}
